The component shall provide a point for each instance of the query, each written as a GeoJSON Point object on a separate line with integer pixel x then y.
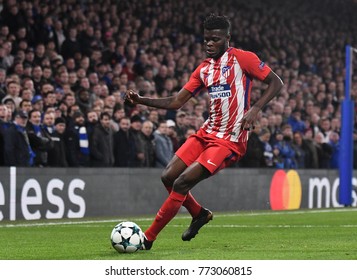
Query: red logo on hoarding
{"type": "Point", "coordinates": [285, 190]}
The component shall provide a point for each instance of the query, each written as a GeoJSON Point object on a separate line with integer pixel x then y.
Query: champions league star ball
{"type": "Point", "coordinates": [127, 237]}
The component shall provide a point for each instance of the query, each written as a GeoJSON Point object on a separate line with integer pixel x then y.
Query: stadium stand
{"type": "Point", "coordinates": [71, 57]}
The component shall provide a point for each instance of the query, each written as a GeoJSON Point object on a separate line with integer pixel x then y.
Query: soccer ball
{"type": "Point", "coordinates": [127, 237]}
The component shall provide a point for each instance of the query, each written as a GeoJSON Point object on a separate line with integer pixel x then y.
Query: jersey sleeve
{"type": "Point", "coordinates": [252, 65]}
{"type": "Point", "coordinates": [195, 84]}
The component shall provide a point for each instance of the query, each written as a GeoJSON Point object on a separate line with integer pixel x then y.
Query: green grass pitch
{"type": "Point", "coordinates": [262, 235]}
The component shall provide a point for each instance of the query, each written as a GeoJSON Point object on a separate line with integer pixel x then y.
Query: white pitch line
{"type": "Point", "coordinates": [73, 222]}
{"type": "Point", "coordinates": [273, 226]}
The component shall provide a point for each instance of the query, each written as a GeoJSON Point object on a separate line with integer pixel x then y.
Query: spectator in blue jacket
{"type": "Point", "coordinates": [335, 145]}
{"type": "Point", "coordinates": [284, 149]}
{"type": "Point", "coordinates": [295, 121]}
{"type": "Point", "coordinates": [17, 147]}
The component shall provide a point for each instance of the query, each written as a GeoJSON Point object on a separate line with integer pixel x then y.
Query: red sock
{"type": "Point", "coordinates": [192, 206]}
{"type": "Point", "coordinates": [167, 211]}
{"type": "Point", "coordinates": [190, 203]}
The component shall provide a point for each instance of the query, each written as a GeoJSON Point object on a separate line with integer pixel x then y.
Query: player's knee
{"type": "Point", "coordinates": [180, 185]}
{"type": "Point", "coordinates": [166, 179]}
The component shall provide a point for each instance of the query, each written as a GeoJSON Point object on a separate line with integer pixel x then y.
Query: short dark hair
{"type": "Point", "coordinates": [105, 114]}
{"type": "Point", "coordinates": [23, 101]}
{"type": "Point", "coordinates": [33, 111]}
{"type": "Point", "coordinates": [213, 21]}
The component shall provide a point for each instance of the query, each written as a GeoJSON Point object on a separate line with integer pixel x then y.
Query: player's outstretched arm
{"type": "Point", "coordinates": [274, 86]}
{"type": "Point", "coordinates": [172, 102]}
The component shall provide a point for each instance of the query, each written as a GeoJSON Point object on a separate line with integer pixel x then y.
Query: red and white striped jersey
{"type": "Point", "coordinates": [229, 83]}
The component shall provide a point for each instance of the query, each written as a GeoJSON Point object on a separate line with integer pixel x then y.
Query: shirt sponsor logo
{"type": "Point", "coordinates": [220, 91]}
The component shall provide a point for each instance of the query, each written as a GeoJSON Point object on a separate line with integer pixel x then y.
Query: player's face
{"type": "Point", "coordinates": [215, 42]}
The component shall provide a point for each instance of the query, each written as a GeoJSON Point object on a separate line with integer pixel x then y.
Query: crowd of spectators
{"type": "Point", "coordinates": [65, 66]}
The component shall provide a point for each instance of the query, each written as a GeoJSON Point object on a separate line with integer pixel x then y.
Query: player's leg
{"type": "Point", "coordinates": [214, 158]}
{"type": "Point", "coordinates": [175, 167]}
{"type": "Point", "coordinates": [185, 156]}
{"type": "Point", "coordinates": [186, 181]}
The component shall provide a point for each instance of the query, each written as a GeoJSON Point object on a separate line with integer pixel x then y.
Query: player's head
{"type": "Point", "coordinates": [216, 35]}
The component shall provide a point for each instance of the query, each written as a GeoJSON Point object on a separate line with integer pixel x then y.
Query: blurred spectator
{"type": "Point", "coordinates": [300, 150]}
{"type": "Point", "coordinates": [190, 131]}
{"type": "Point", "coordinates": [49, 100]}
{"type": "Point", "coordinates": [325, 129]}
{"type": "Point", "coordinates": [335, 145]}
{"type": "Point", "coordinates": [13, 92]}
{"type": "Point", "coordinates": [77, 142]}
{"type": "Point", "coordinates": [69, 99]}
{"type": "Point", "coordinates": [263, 122]}
{"type": "Point", "coordinates": [18, 151]}
{"type": "Point", "coordinates": [7, 57]}
{"type": "Point", "coordinates": [273, 127]}
{"type": "Point", "coordinates": [163, 145]}
{"type": "Point", "coordinates": [336, 125]}
{"type": "Point", "coordinates": [324, 151]}
{"type": "Point", "coordinates": [161, 78]}
{"type": "Point", "coordinates": [135, 130]}
{"type": "Point", "coordinates": [312, 160]}
{"type": "Point", "coordinates": [40, 54]}
{"type": "Point", "coordinates": [58, 35]}
{"type": "Point", "coordinates": [295, 121]}
{"type": "Point", "coordinates": [287, 113]}
{"type": "Point", "coordinates": [148, 144]}
{"type": "Point", "coordinates": [86, 40]}
{"type": "Point", "coordinates": [171, 132]}
{"type": "Point", "coordinates": [264, 137]}
{"type": "Point", "coordinates": [91, 121]}
{"type": "Point", "coordinates": [37, 103]}
{"type": "Point", "coordinates": [314, 124]}
{"type": "Point", "coordinates": [154, 118]}
{"type": "Point", "coordinates": [284, 149]}
{"type": "Point", "coordinates": [2, 81]}
{"type": "Point", "coordinates": [25, 105]}
{"type": "Point", "coordinates": [57, 155]}
{"type": "Point", "coordinates": [4, 125]}
{"type": "Point", "coordinates": [83, 100]}
{"type": "Point", "coordinates": [101, 144]}
{"type": "Point", "coordinates": [26, 93]}
{"type": "Point", "coordinates": [181, 124]}
{"type": "Point", "coordinates": [39, 138]}
{"type": "Point", "coordinates": [124, 150]}
{"type": "Point", "coordinates": [11, 106]}
{"type": "Point", "coordinates": [48, 122]}
{"type": "Point", "coordinates": [118, 114]}
{"type": "Point", "coordinates": [254, 157]}
{"type": "Point", "coordinates": [71, 47]}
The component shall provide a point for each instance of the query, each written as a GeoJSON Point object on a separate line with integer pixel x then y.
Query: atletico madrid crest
{"type": "Point", "coordinates": [225, 71]}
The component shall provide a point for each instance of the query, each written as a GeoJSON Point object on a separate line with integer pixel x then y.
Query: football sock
{"type": "Point", "coordinates": [190, 203]}
{"type": "Point", "coordinates": [192, 206]}
{"type": "Point", "coordinates": [165, 214]}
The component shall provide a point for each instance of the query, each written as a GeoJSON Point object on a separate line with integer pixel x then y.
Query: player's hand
{"type": "Point", "coordinates": [132, 97]}
{"type": "Point", "coordinates": [249, 118]}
